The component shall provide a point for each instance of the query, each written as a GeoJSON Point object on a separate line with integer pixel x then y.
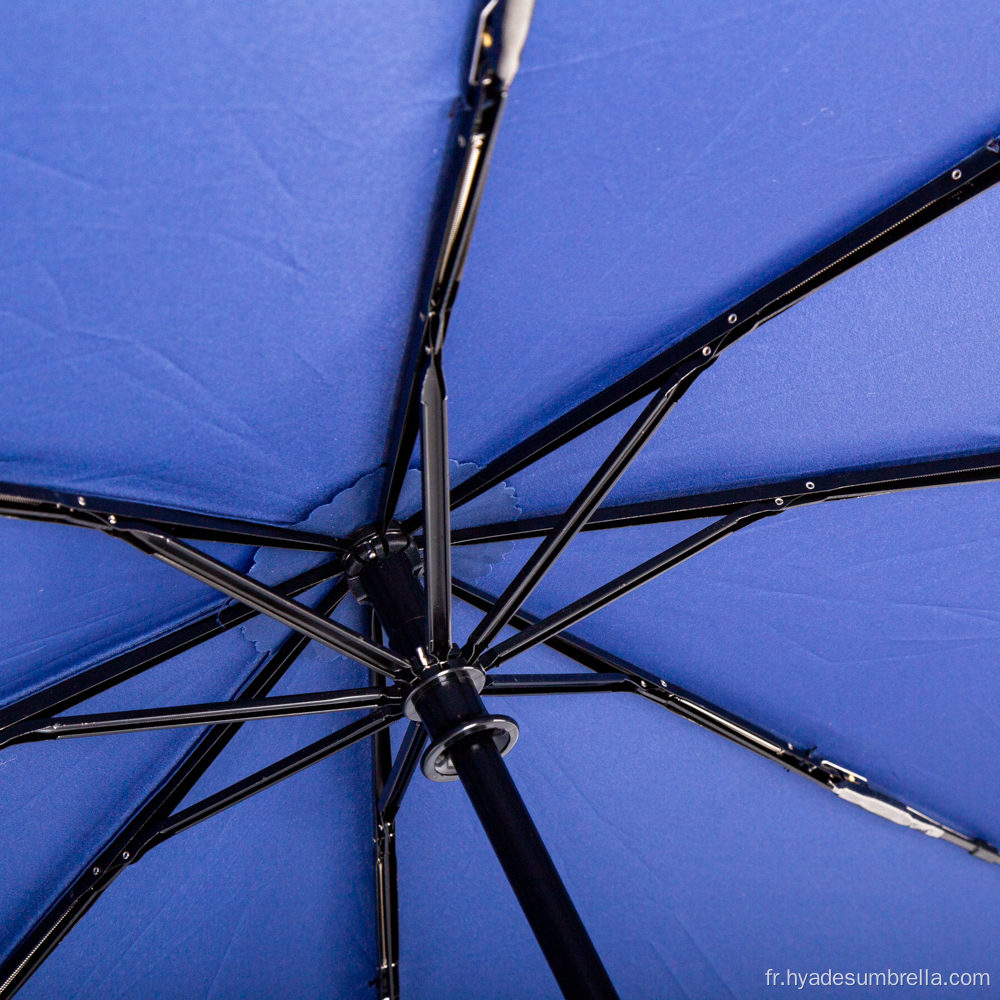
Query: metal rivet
{"type": "Point", "coordinates": [706, 351]}
{"type": "Point", "coordinates": [733, 318]}
{"type": "Point", "coordinates": [81, 501]}
{"type": "Point", "coordinates": [810, 486]}
{"type": "Point", "coordinates": [125, 855]}
{"type": "Point", "coordinates": [97, 871]}
{"type": "Point", "coordinates": [779, 502]}
{"type": "Point", "coordinates": [956, 174]}
{"type": "Point", "coordinates": [642, 684]}
{"type": "Point", "coordinates": [663, 683]}
{"type": "Point", "coordinates": [112, 519]}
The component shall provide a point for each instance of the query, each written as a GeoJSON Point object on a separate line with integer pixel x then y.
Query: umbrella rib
{"type": "Point", "coordinates": [627, 582]}
{"type": "Point", "coordinates": [437, 529]}
{"type": "Point", "coordinates": [535, 684]}
{"type": "Point", "coordinates": [104, 867]}
{"type": "Point", "coordinates": [522, 620]}
{"type": "Point", "coordinates": [34, 503]}
{"type": "Point", "coordinates": [615, 674]}
{"type": "Point", "coordinates": [954, 186]}
{"type": "Point", "coordinates": [65, 694]}
{"type": "Point", "coordinates": [840, 485]}
{"type": "Point", "coordinates": [266, 777]}
{"type": "Point", "coordinates": [464, 187]}
{"type": "Point", "coordinates": [211, 713]}
{"type": "Point", "coordinates": [266, 599]}
{"type": "Point", "coordinates": [403, 768]}
{"type": "Point", "coordinates": [384, 854]}
{"type": "Point", "coordinates": [586, 502]}
{"type": "Point", "coordinates": [392, 779]}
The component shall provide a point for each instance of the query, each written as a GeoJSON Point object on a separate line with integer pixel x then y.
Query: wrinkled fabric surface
{"type": "Point", "coordinates": [214, 222]}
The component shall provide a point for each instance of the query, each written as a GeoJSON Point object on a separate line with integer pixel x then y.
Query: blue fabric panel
{"type": "Point", "coordinates": [865, 628]}
{"type": "Point", "coordinates": [695, 865]}
{"type": "Point", "coordinates": [73, 598]}
{"type": "Point", "coordinates": [214, 224]}
{"type": "Point", "coordinates": [214, 221]}
{"type": "Point", "coordinates": [658, 162]}
{"type": "Point", "coordinates": [891, 362]}
{"type": "Point", "coordinates": [270, 898]}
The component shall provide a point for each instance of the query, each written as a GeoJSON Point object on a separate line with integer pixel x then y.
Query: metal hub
{"type": "Point", "coordinates": [383, 570]}
{"type": "Point", "coordinates": [436, 762]}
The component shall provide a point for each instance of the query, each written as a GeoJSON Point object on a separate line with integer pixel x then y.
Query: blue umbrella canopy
{"type": "Point", "coordinates": [749, 249]}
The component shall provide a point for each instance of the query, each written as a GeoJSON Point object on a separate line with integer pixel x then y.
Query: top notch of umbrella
{"type": "Point", "coordinates": [500, 36]}
{"type": "Point", "coordinates": [501, 31]}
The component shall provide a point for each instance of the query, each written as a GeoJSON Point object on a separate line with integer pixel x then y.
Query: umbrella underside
{"type": "Point", "coordinates": [378, 590]}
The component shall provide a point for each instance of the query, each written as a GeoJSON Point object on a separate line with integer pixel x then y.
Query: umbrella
{"type": "Point", "coordinates": [216, 227]}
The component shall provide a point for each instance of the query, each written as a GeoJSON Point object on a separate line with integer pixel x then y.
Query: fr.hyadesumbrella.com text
{"type": "Point", "coordinates": [922, 977]}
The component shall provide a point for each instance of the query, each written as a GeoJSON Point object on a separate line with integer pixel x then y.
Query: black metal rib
{"type": "Point", "coordinates": [386, 909]}
{"type": "Point", "coordinates": [619, 675]}
{"type": "Point", "coordinates": [452, 241]}
{"type": "Point", "coordinates": [65, 694]}
{"type": "Point", "coordinates": [384, 855]}
{"type": "Point", "coordinates": [266, 777]}
{"type": "Point", "coordinates": [105, 866]}
{"type": "Point", "coordinates": [627, 582]}
{"type": "Point", "coordinates": [268, 601]}
{"type": "Point", "coordinates": [955, 185]}
{"type": "Point", "coordinates": [211, 713]}
{"type": "Point", "coordinates": [518, 684]}
{"type": "Point", "coordinates": [586, 502]}
{"type": "Point", "coordinates": [403, 769]}
{"type": "Point", "coordinates": [435, 481]}
{"type": "Point", "coordinates": [33, 503]}
{"type": "Point", "coordinates": [567, 645]}
{"type": "Point", "coordinates": [841, 485]}
{"type": "Point", "coordinates": [386, 880]}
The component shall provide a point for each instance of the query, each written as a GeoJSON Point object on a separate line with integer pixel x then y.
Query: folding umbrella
{"type": "Point", "coordinates": [232, 248]}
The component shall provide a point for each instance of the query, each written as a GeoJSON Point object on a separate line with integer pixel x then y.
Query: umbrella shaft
{"type": "Point", "coordinates": [395, 594]}
{"type": "Point", "coordinates": [532, 875]}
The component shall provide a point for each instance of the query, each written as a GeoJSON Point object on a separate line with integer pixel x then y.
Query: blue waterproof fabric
{"type": "Point", "coordinates": [214, 219]}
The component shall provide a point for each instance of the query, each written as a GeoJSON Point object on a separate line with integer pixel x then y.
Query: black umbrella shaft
{"type": "Point", "coordinates": [396, 597]}
{"type": "Point", "coordinates": [532, 875]}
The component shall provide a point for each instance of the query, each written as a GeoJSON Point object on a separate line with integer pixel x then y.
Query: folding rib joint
{"type": "Point", "coordinates": [504, 28]}
{"type": "Point", "coordinates": [845, 784]}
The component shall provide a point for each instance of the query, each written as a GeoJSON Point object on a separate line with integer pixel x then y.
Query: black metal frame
{"type": "Point", "coordinates": [437, 685]}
